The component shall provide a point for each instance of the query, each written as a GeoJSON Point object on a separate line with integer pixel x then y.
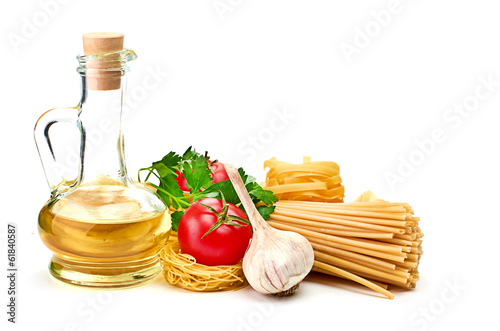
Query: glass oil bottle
{"type": "Point", "coordinates": [104, 229]}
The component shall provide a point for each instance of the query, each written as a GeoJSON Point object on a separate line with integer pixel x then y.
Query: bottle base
{"type": "Point", "coordinates": [105, 275]}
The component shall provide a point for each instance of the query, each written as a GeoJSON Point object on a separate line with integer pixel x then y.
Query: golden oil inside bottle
{"type": "Point", "coordinates": [103, 235]}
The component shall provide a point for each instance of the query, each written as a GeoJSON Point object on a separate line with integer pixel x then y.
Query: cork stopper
{"type": "Point", "coordinates": [97, 43]}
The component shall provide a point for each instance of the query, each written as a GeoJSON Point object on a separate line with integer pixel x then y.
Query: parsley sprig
{"type": "Point", "coordinates": [195, 168]}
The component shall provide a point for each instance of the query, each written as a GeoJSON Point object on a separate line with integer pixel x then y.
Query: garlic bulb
{"type": "Point", "coordinates": [276, 261]}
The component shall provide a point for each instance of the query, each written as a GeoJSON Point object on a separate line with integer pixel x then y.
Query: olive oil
{"type": "Point", "coordinates": [106, 231]}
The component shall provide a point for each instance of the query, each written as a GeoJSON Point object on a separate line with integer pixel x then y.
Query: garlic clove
{"type": "Point", "coordinates": [276, 261]}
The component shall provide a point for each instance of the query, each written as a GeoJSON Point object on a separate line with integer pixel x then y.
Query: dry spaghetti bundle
{"type": "Point", "coordinates": [182, 270]}
{"type": "Point", "coordinates": [370, 241]}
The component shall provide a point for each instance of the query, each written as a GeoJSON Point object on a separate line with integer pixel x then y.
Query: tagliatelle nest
{"type": "Point", "coordinates": [181, 270]}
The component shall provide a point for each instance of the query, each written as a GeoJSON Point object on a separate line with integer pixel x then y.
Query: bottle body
{"type": "Point", "coordinates": [104, 229]}
{"type": "Point", "coordinates": [106, 235]}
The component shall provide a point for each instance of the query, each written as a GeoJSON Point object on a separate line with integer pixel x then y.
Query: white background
{"type": "Point", "coordinates": [228, 74]}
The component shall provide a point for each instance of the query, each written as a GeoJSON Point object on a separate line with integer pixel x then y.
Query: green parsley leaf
{"type": "Point", "coordinates": [214, 191]}
{"type": "Point", "coordinates": [197, 173]}
{"type": "Point", "coordinates": [171, 160]}
{"type": "Point", "coordinates": [189, 153]}
{"type": "Point", "coordinates": [257, 192]}
{"type": "Point", "coordinates": [265, 211]}
{"type": "Point", "coordinates": [169, 190]}
{"type": "Point", "coordinates": [176, 217]}
{"type": "Point", "coordinates": [162, 169]}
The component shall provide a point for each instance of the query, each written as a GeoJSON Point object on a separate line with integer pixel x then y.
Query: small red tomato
{"type": "Point", "coordinates": [225, 245]}
{"type": "Point", "coordinates": [219, 172]}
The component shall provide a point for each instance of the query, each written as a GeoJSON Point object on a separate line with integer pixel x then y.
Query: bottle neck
{"type": "Point", "coordinates": [103, 146]}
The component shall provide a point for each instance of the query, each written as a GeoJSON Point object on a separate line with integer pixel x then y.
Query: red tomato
{"type": "Point", "coordinates": [219, 174]}
{"type": "Point", "coordinates": [224, 246]}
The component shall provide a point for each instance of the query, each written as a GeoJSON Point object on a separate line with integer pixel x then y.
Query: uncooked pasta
{"type": "Point", "coordinates": [309, 181]}
{"type": "Point", "coordinates": [370, 241]}
{"type": "Point", "coordinates": [182, 270]}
